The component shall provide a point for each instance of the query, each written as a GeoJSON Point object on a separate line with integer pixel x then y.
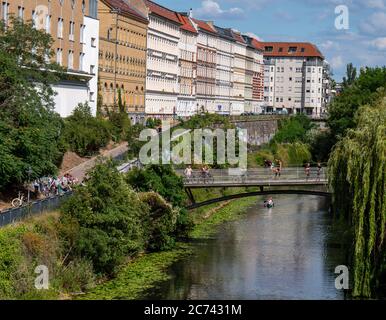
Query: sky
{"type": "Point", "coordinates": [362, 41]}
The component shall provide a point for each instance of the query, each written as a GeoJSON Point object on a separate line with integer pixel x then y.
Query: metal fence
{"type": "Point", "coordinates": [38, 207]}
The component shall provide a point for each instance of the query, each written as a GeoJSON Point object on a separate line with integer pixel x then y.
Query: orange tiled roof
{"type": "Point", "coordinates": [204, 26]}
{"type": "Point", "coordinates": [257, 44]}
{"type": "Point", "coordinates": [162, 11]}
{"type": "Point", "coordinates": [186, 24]}
{"type": "Point", "coordinates": [124, 7]}
{"type": "Point", "coordinates": [238, 37]}
{"type": "Point", "coordinates": [281, 49]}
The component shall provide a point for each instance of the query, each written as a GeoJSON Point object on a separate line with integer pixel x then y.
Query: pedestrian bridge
{"type": "Point", "coordinates": [289, 181]}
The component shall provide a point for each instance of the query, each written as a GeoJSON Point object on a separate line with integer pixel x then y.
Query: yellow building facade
{"type": "Point", "coordinates": [122, 55]}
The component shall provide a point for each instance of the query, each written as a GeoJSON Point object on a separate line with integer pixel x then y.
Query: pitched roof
{"type": "Point", "coordinates": [257, 44]}
{"type": "Point", "coordinates": [224, 33]}
{"type": "Point", "coordinates": [291, 49]}
{"type": "Point", "coordinates": [238, 37]}
{"type": "Point", "coordinates": [125, 7]}
{"type": "Point", "coordinates": [163, 12]}
{"type": "Point", "coordinates": [186, 24]}
{"type": "Point", "coordinates": [204, 26]}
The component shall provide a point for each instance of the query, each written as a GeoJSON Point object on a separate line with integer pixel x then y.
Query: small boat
{"type": "Point", "coordinates": [269, 204]}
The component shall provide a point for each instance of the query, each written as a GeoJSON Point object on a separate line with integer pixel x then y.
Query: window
{"type": "Point", "coordinates": [70, 59]}
{"type": "Point", "coordinates": [59, 56]}
{"type": "Point", "coordinates": [20, 12]}
{"type": "Point", "coordinates": [71, 31]}
{"type": "Point", "coordinates": [34, 18]}
{"type": "Point", "coordinates": [82, 28]}
{"type": "Point", "coordinates": [93, 42]}
{"type": "Point", "coordinates": [5, 8]}
{"type": "Point", "coordinates": [92, 96]}
{"type": "Point", "coordinates": [48, 24]}
{"type": "Point", "coordinates": [92, 69]}
{"type": "Point", "coordinates": [60, 28]}
{"type": "Point", "coordinates": [292, 49]}
{"type": "Point", "coordinates": [81, 61]}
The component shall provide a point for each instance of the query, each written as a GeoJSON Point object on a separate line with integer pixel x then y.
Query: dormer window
{"type": "Point", "coordinates": [268, 49]}
{"type": "Point", "coordinates": [292, 49]}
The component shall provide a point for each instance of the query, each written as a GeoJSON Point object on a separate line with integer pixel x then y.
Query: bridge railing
{"type": "Point", "coordinates": [254, 175]}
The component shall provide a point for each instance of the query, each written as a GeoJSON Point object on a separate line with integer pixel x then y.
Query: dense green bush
{"type": "Point", "coordinates": [103, 221]}
{"type": "Point", "coordinates": [85, 134]}
{"type": "Point", "coordinates": [293, 129]}
{"type": "Point", "coordinates": [163, 180]}
{"type": "Point", "coordinates": [160, 223]}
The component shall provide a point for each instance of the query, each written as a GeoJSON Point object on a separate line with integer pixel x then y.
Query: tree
{"type": "Point", "coordinates": [29, 128]}
{"type": "Point", "coordinates": [342, 112]}
{"type": "Point", "coordinates": [351, 75]}
{"type": "Point", "coordinates": [357, 172]}
{"type": "Point", "coordinates": [103, 221]}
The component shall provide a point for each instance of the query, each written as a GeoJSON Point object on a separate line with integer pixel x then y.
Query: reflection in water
{"type": "Point", "coordinates": [278, 253]}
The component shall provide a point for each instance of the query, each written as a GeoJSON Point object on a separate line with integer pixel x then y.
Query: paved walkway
{"type": "Point", "coordinates": [80, 171]}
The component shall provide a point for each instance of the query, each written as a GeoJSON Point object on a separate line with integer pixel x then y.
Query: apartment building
{"type": "Point", "coordinates": [239, 73]}
{"type": "Point", "coordinates": [224, 75]}
{"type": "Point", "coordinates": [74, 27]}
{"type": "Point", "coordinates": [254, 92]}
{"type": "Point", "coordinates": [186, 101]}
{"type": "Point", "coordinates": [206, 66]}
{"type": "Point", "coordinates": [293, 78]}
{"type": "Point", "coordinates": [122, 55]}
{"type": "Point", "coordinates": [162, 61]}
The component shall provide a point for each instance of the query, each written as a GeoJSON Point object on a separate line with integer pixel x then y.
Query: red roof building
{"type": "Point", "coordinates": [155, 8]}
{"type": "Point", "coordinates": [125, 8]}
{"type": "Point", "coordinates": [205, 26]}
{"type": "Point", "coordinates": [186, 24]}
{"type": "Point", "coordinates": [291, 49]}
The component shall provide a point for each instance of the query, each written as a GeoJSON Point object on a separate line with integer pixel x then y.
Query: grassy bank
{"type": "Point", "coordinates": [146, 271]}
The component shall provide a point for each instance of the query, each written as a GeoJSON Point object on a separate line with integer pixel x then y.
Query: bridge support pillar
{"type": "Point", "coordinates": [190, 195]}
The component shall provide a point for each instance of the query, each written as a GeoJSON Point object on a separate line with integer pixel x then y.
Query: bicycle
{"type": "Point", "coordinates": [19, 201]}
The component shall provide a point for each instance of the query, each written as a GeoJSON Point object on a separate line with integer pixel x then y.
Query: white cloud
{"type": "Point", "coordinates": [375, 24]}
{"type": "Point", "coordinates": [337, 62]}
{"type": "Point", "coordinates": [253, 35]}
{"type": "Point", "coordinates": [211, 9]}
{"type": "Point", "coordinates": [379, 43]}
{"type": "Point", "coordinates": [375, 4]}
{"type": "Point", "coordinates": [328, 45]}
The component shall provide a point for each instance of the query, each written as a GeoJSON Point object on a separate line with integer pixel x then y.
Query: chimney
{"type": "Point", "coordinates": [191, 13]}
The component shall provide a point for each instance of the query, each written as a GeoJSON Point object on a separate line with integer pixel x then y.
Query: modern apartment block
{"type": "Point", "coordinates": [186, 102]}
{"type": "Point", "coordinates": [206, 66]}
{"type": "Point", "coordinates": [122, 55]}
{"type": "Point", "coordinates": [294, 78]}
{"type": "Point", "coordinates": [162, 61]}
{"type": "Point", "coordinates": [224, 76]}
{"type": "Point", "coordinates": [74, 27]}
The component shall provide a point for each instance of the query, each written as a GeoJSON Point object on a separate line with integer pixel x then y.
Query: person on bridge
{"type": "Point", "coordinates": [319, 171]}
{"type": "Point", "coordinates": [278, 168]}
{"type": "Point", "coordinates": [188, 172]}
{"type": "Point", "coordinates": [307, 170]}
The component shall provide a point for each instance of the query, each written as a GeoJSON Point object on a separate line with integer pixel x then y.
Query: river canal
{"type": "Point", "coordinates": [287, 252]}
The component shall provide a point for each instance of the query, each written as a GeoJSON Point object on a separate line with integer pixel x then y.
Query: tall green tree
{"type": "Point", "coordinates": [357, 172]}
{"type": "Point", "coordinates": [351, 75]}
{"type": "Point", "coordinates": [29, 127]}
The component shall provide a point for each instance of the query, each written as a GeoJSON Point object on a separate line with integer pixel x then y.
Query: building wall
{"type": "Point", "coordinates": [206, 72]}
{"type": "Point", "coordinates": [239, 79]}
{"type": "Point", "coordinates": [127, 72]}
{"type": "Point", "coordinates": [162, 67]}
{"type": "Point", "coordinates": [224, 76]}
{"type": "Point", "coordinates": [187, 105]}
{"type": "Point", "coordinates": [294, 84]}
{"type": "Point", "coordinates": [49, 15]}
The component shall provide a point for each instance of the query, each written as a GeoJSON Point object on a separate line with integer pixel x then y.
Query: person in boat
{"type": "Point", "coordinates": [269, 203]}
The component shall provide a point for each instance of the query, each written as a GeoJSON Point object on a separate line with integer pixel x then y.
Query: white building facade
{"type": "Point", "coordinates": [293, 80]}
{"type": "Point", "coordinates": [186, 101]}
{"type": "Point", "coordinates": [162, 86]}
{"type": "Point", "coordinates": [239, 74]}
{"type": "Point", "coordinates": [206, 66]}
{"type": "Point", "coordinates": [224, 73]}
